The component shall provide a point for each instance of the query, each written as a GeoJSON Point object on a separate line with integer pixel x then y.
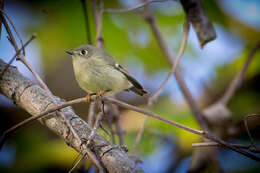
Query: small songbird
{"type": "Point", "coordinates": [97, 71]}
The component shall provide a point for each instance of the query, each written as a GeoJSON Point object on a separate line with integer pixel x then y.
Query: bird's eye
{"type": "Point", "coordinates": [83, 52]}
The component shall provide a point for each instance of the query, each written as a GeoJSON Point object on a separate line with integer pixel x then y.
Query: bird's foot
{"type": "Point", "coordinates": [88, 97]}
{"type": "Point", "coordinates": [100, 94]}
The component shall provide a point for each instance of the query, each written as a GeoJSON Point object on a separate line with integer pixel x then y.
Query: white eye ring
{"type": "Point", "coordinates": [83, 52]}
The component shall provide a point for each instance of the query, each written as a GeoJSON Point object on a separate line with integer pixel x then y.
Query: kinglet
{"type": "Point", "coordinates": [97, 71]}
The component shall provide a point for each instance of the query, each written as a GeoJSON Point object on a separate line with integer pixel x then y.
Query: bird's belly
{"type": "Point", "coordinates": [102, 79]}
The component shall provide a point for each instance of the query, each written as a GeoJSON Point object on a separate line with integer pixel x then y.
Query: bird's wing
{"type": "Point", "coordinates": [110, 61]}
{"type": "Point", "coordinates": [128, 76]}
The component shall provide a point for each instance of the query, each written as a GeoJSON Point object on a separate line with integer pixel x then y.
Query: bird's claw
{"type": "Point", "coordinates": [88, 98]}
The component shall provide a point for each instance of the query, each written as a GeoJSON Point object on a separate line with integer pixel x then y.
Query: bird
{"type": "Point", "coordinates": [96, 71]}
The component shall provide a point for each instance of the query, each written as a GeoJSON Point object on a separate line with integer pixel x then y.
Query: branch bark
{"type": "Point", "coordinates": [35, 100]}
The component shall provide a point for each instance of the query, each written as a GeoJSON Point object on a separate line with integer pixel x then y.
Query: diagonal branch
{"type": "Point", "coordinates": [154, 97]}
{"type": "Point", "coordinates": [17, 53]}
{"type": "Point", "coordinates": [35, 100]}
{"type": "Point", "coordinates": [239, 78]}
{"type": "Point", "coordinates": [175, 63]}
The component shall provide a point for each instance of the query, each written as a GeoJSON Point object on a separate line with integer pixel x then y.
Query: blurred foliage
{"type": "Point", "coordinates": [127, 36]}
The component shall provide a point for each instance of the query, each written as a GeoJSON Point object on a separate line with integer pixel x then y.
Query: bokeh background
{"type": "Point", "coordinates": [60, 26]}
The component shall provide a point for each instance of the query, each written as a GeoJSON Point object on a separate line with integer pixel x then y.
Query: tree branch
{"type": "Point", "coordinates": [239, 78]}
{"type": "Point", "coordinates": [85, 11]}
{"type": "Point", "coordinates": [35, 100]}
{"type": "Point", "coordinates": [108, 10]}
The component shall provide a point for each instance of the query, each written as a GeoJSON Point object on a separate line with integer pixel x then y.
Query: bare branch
{"type": "Point", "coordinates": [1, 8]}
{"type": "Point", "coordinates": [95, 128]}
{"type": "Point", "coordinates": [21, 101]}
{"type": "Point", "coordinates": [9, 30]}
{"type": "Point", "coordinates": [35, 100]}
{"type": "Point", "coordinates": [77, 163]}
{"type": "Point", "coordinates": [85, 11]}
{"type": "Point", "coordinates": [149, 17]}
{"type": "Point", "coordinates": [91, 113]}
{"type": "Point", "coordinates": [98, 21]}
{"type": "Point", "coordinates": [214, 144]}
{"type": "Point", "coordinates": [247, 129]}
{"type": "Point", "coordinates": [108, 10]}
{"type": "Point", "coordinates": [239, 78]}
{"type": "Point", "coordinates": [176, 62]}
{"type": "Point", "coordinates": [154, 97]}
{"type": "Point", "coordinates": [17, 53]}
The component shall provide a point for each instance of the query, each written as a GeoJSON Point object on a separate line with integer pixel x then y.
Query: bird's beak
{"type": "Point", "coordinates": [69, 52]}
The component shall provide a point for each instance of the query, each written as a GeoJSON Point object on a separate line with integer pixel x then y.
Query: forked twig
{"type": "Point", "coordinates": [13, 26]}
{"type": "Point", "coordinates": [17, 53]}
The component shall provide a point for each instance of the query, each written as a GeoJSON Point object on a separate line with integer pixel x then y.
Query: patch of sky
{"type": "Point", "coordinates": [22, 18]}
{"type": "Point", "coordinates": [246, 11]}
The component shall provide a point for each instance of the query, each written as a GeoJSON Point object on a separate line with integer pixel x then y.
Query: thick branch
{"type": "Point", "coordinates": [35, 100]}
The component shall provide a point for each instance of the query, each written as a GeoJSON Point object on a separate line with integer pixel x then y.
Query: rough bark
{"type": "Point", "coordinates": [31, 97]}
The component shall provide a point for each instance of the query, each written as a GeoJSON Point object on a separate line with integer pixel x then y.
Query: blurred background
{"type": "Point", "coordinates": [207, 72]}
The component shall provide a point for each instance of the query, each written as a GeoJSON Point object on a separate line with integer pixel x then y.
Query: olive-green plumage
{"type": "Point", "coordinates": [95, 70]}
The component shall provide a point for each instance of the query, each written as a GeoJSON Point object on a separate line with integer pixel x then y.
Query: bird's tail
{"type": "Point", "coordinates": [138, 91]}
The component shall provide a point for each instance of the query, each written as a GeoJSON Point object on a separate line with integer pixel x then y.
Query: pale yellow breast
{"type": "Point", "coordinates": [92, 76]}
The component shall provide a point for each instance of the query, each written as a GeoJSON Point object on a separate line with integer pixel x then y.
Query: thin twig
{"type": "Point", "coordinates": [98, 15]}
{"type": "Point", "coordinates": [1, 16]}
{"type": "Point", "coordinates": [91, 113]}
{"type": "Point", "coordinates": [214, 144]}
{"type": "Point", "coordinates": [108, 10]}
{"type": "Point", "coordinates": [247, 129]}
{"type": "Point", "coordinates": [14, 28]}
{"type": "Point", "coordinates": [131, 107]}
{"type": "Point", "coordinates": [198, 132]}
{"type": "Point", "coordinates": [154, 97]}
{"type": "Point", "coordinates": [176, 62]}
{"type": "Point", "coordinates": [85, 11]}
{"type": "Point", "coordinates": [230, 146]}
{"type": "Point", "coordinates": [33, 118]}
{"type": "Point", "coordinates": [45, 87]}
{"type": "Point", "coordinates": [95, 128]}
{"type": "Point", "coordinates": [149, 17]}
{"type": "Point", "coordinates": [75, 165]}
{"type": "Point", "coordinates": [239, 78]}
{"type": "Point", "coordinates": [82, 100]}
{"type": "Point", "coordinates": [17, 53]}
{"type": "Point", "coordinates": [143, 111]}
{"type": "Point", "coordinates": [95, 12]}
{"type": "Point", "coordinates": [119, 131]}
{"type": "Point", "coordinates": [98, 20]}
